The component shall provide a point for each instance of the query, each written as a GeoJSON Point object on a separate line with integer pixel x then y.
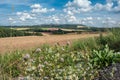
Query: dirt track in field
{"type": "Point", "coordinates": [29, 42]}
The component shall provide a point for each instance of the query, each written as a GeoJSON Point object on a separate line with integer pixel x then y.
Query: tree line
{"type": "Point", "coordinates": [7, 32]}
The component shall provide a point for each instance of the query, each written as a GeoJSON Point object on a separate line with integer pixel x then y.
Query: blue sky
{"type": "Point", "coordinates": [99, 13]}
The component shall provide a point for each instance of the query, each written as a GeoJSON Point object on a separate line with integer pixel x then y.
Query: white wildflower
{"type": "Point", "coordinates": [33, 67]}
{"type": "Point", "coordinates": [26, 56]}
{"type": "Point", "coordinates": [46, 63]}
{"type": "Point", "coordinates": [40, 66]}
{"type": "Point", "coordinates": [38, 50]}
{"type": "Point", "coordinates": [62, 59]}
{"type": "Point", "coordinates": [46, 78]}
{"type": "Point", "coordinates": [63, 49]}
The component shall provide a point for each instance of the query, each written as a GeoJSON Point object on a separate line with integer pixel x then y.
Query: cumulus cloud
{"type": "Point", "coordinates": [77, 6]}
{"type": "Point", "coordinates": [24, 16]}
{"type": "Point", "coordinates": [79, 3]}
{"type": "Point", "coordinates": [76, 11]}
{"type": "Point", "coordinates": [37, 8]}
{"type": "Point", "coordinates": [42, 10]}
{"type": "Point", "coordinates": [30, 15]}
{"type": "Point", "coordinates": [52, 9]}
{"type": "Point", "coordinates": [107, 7]}
{"type": "Point", "coordinates": [12, 20]}
{"type": "Point", "coordinates": [71, 18]}
{"type": "Point", "coordinates": [53, 18]}
{"type": "Point", "coordinates": [117, 8]}
{"type": "Point", "coordinates": [89, 18]}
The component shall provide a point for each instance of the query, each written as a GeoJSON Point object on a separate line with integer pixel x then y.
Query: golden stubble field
{"type": "Point", "coordinates": [29, 42]}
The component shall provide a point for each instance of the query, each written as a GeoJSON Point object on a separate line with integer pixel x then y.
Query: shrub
{"type": "Point", "coordinates": [102, 58]}
{"type": "Point", "coordinates": [59, 31]}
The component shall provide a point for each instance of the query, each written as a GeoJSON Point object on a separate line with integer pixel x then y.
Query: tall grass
{"type": "Point", "coordinates": [112, 39]}
{"type": "Point", "coordinates": [85, 44]}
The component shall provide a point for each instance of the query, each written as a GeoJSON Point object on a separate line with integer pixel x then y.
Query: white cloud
{"type": "Point", "coordinates": [69, 4]}
{"type": "Point", "coordinates": [28, 16]}
{"type": "Point", "coordinates": [98, 6]}
{"type": "Point", "coordinates": [77, 6]}
{"type": "Point", "coordinates": [70, 14]}
{"type": "Point", "coordinates": [10, 19]}
{"type": "Point", "coordinates": [83, 22]}
{"type": "Point", "coordinates": [98, 18]}
{"type": "Point", "coordinates": [70, 18]}
{"type": "Point", "coordinates": [69, 11]}
{"type": "Point", "coordinates": [42, 10]}
{"type": "Point", "coordinates": [107, 6]}
{"type": "Point", "coordinates": [82, 3]}
{"type": "Point", "coordinates": [19, 13]}
{"type": "Point", "coordinates": [24, 16]}
{"type": "Point", "coordinates": [56, 20]}
{"type": "Point", "coordinates": [79, 3]}
{"type": "Point", "coordinates": [37, 8]}
{"type": "Point", "coordinates": [52, 9]}
{"type": "Point", "coordinates": [117, 8]}
{"type": "Point", "coordinates": [89, 18]}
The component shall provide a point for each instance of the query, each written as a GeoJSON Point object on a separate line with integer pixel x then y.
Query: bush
{"type": "Point", "coordinates": [102, 58]}
{"type": "Point", "coordinates": [59, 31]}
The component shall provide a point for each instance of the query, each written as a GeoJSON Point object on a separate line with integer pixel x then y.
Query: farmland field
{"type": "Point", "coordinates": [28, 42]}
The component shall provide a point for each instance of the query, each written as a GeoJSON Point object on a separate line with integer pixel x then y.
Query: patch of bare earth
{"type": "Point", "coordinates": [28, 42]}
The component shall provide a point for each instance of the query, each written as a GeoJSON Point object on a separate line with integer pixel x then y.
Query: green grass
{"type": "Point", "coordinates": [85, 44]}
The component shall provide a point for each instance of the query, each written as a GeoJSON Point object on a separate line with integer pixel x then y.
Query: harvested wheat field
{"type": "Point", "coordinates": [29, 42]}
